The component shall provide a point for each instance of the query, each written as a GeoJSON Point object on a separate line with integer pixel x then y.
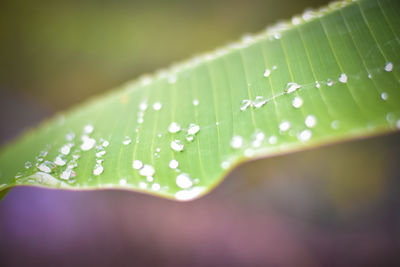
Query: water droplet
{"type": "Point", "coordinates": [335, 125]}
{"type": "Point", "coordinates": [398, 124]}
{"type": "Point", "coordinates": [297, 102]}
{"type": "Point", "coordinates": [189, 137]}
{"type": "Point", "coordinates": [68, 173]}
{"type": "Point", "coordinates": [147, 170]}
{"type": "Point", "coordinates": [248, 152]}
{"type": "Point", "coordinates": [142, 185]}
{"type": "Point", "coordinates": [236, 142]}
{"type": "Point", "coordinates": [122, 182]}
{"type": "Point", "coordinates": [155, 186]}
{"type": "Point", "coordinates": [88, 143]}
{"type": "Point", "coordinates": [98, 169]}
{"type": "Point", "coordinates": [195, 102]}
{"type": "Point", "coordinates": [158, 149]}
{"type": "Point", "coordinates": [259, 102]}
{"type": "Point", "coordinates": [88, 129]}
{"type": "Point", "coordinates": [127, 141]}
{"type": "Point", "coordinates": [65, 149]}
{"type": "Point", "coordinates": [317, 84]}
{"type": "Point", "coordinates": [193, 129]}
{"type": "Point", "coordinates": [47, 166]}
{"type": "Point", "coordinates": [189, 194]}
{"type": "Point", "coordinates": [225, 165]}
{"type": "Point", "coordinates": [100, 153]}
{"type": "Point", "coordinates": [177, 145]}
{"type": "Point", "coordinates": [60, 160]}
{"type": "Point", "coordinates": [150, 178]}
{"type": "Point", "coordinates": [329, 82]}
{"type": "Point", "coordinates": [172, 79]}
{"type": "Point", "coordinates": [305, 135]}
{"type": "Point", "coordinates": [159, 135]}
{"type": "Point", "coordinates": [296, 20]}
{"type": "Point", "coordinates": [343, 78]}
{"type": "Point", "coordinates": [105, 143]}
{"type": "Point", "coordinates": [369, 76]}
{"type": "Point", "coordinates": [273, 140]}
{"type": "Point", "coordinates": [291, 87]}
{"type": "Point", "coordinates": [157, 106]}
{"type": "Point", "coordinates": [310, 121]}
{"type": "Point", "coordinates": [28, 164]}
{"type": "Point", "coordinates": [140, 120]}
{"type": "Point", "coordinates": [258, 139]}
{"type": "Point", "coordinates": [284, 126]}
{"type": "Point", "coordinates": [70, 136]}
{"type": "Point", "coordinates": [267, 72]}
{"type": "Point", "coordinates": [389, 66]}
{"type": "Point", "coordinates": [174, 127]}
{"type": "Point", "coordinates": [137, 164]}
{"type": "Point", "coordinates": [183, 181]}
{"type": "Point", "coordinates": [277, 36]}
{"type": "Point", "coordinates": [384, 96]}
{"type": "Point", "coordinates": [143, 106]}
{"type": "Point", "coordinates": [274, 67]}
{"type": "Point", "coordinates": [173, 164]}
{"type": "Point", "coordinates": [245, 104]}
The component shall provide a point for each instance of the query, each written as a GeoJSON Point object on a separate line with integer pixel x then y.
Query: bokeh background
{"type": "Point", "coordinates": [331, 206]}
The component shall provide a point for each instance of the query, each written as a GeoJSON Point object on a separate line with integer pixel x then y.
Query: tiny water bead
{"type": "Point", "coordinates": [189, 137]}
{"type": "Point", "coordinates": [291, 87]}
{"type": "Point", "coordinates": [329, 82]}
{"type": "Point", "coordinates": [267, 73]}
{"type": "Point", "coordinates": [305, 135]}
{"type": "Point", "coordinates": [173, 164]}
{"type": "Point", "coordinates": [137, 164]}
{"type": "Point", "coordinates": [149, 178]}
{"type": "Point", "coordinates": [157, 106]}
{"type": "Point", "coordinates": [384, 96]}
{"type": "Point", "coordinates": [183, 181]}
{"type": "Point", "coordinates": [310, 121]}
{"type": "Point", "coordinates": [297, 102]}
{"type": "Point", "coordinates": [140, 120]}
{"type": "Point", "coordinates": [284, 126]}
{"type": "Point", "coordinates": [88, 129]}
{"type": "Point", "coordinates": [142, 185]}
{"type": "Point", "coordinates": [273, 140]}
{"type": "Point", "coordinates": [225, 165]}
{"type": "Point", "coordinates": [100, 153]}
{"type": "Point", "coordinates": [177, 145]}
{"type": "Point", "coordinates": [335, 125]}
{"type": "Point", "coordinates": [147, 170]}
{"type": "Point", "coordinates": [195, 102]}
{"type": "Point", "coordinates": [343, 78]}
{"type": "Point", "coordinates": [193, 129]}
{"type": "Point", "coordinates": [317, 84]}
{"type": "Point", "coordinates": [98, 169]}
{"type": "Point", "coordinates": [389, 66]}
{"type": "Point", "coordinates": [65, 149]}
{"type": "Point", "coordinates": [105, 143]}
{"type": "Point", "coordinates": [171, 79]}
{"type": "Point", "coordinates": [28, 164]}
{"type": "Point", "coordinates": [174, 127]}
{"type": "Point", "coordinates": [258, 139]}
{"type": "Point", "coordinates": [70, 136]}
{"type": "Point", "coordinates": [68, 173]}
{"type": "Point", "coordinates": [236, 142]}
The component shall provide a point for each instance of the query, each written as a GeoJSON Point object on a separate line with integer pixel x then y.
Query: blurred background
{"type": "Point", "coordinates": [331, 206]}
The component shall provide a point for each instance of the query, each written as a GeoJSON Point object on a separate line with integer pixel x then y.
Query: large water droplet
{"type": "Point", "coordinates": [177, 145]}
{"type": "Point", "coordinates": [98, 169]}
{"type": "Point", "coordinates": [147, 170]}
{"type": "Point", "coordinates": [311, 121]}
{"type": "Point", "coordinates": [236, 142]}
{"type": "Point", "coordinates": [291, 87]}
{"type": "Point", "coordinates": [304, 135]}
{"type": "Point", "coordinates": [389, 66]}
{"type": "Point", "coordinates": [174, 127]}
{"type": "Point", "coordinates": [297, 102]}
{"type": "Point", "coordinates": [88, 143]}
{"type": "Point", "coordinates": [88, 129]}
{"type": "Point", "coordinates": [137, 164]}
{"type": "Point", "coordinates": [193, 129]}
{"type": "Point", "coordinates": [183, 181]}
{"type": "Point", "coordinates": [157, 106]}
{"type": "Point", "coordinates": [284, 126]}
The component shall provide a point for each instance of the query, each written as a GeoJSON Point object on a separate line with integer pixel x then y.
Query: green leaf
{"type": "Point", "coordinates": [328, 75]}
